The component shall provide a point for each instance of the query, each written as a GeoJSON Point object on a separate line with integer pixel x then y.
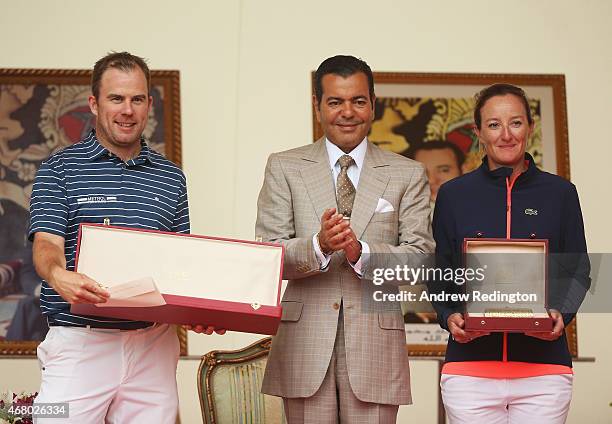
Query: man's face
{"type": "Point", "coordinates": [121, 109]}
{"type": "Point", "coordinates": [441, 165]}
{"type": "Point", "coordinates": [345, 111]}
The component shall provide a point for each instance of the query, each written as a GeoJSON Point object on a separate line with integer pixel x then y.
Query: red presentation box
{"type": "Point", "coordinates": [512, 297]}
{"type": "Point", "coordinates": [182, 279]}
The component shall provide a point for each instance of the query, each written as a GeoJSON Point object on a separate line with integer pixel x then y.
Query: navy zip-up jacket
{"type": "Point", "coordinates": [543, 206]}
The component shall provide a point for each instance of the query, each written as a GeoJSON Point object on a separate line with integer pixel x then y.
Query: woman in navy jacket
{"type": "Point", "coordinates": [509, 377]}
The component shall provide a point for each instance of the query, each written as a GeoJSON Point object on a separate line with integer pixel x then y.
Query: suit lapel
{"type": "Point", "coordinates": [372, 185]}
{"type": "Point", "coordinates": [318, 178]}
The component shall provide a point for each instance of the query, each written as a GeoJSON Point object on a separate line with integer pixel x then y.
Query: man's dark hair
{"type": "Point", "coordinates": [499, 90]}
{"type": "Point", "coordinates": [123, 61]}
{"type": "Point", "coordinates": [437, 145]}
{"type": "Point", "coordinates": [344, 66]}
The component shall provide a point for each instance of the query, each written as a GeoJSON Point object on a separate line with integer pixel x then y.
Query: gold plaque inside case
{"type": "Point", "coordinates": [509, 313]}
{"type": "Point", "coordinates": [512, 268]}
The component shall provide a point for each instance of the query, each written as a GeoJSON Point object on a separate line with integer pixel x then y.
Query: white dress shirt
{"type": "Point", "coordinates": [354, 171]}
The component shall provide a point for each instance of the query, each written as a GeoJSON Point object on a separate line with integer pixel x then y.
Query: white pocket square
{"type": "Point", "coordinates": [384, 206]}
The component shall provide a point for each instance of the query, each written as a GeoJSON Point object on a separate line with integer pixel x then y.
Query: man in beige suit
{"type": "Point", "coordinates": [337, 205]}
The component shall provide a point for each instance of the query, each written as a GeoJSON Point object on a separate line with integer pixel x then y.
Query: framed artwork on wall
{"type": "Point", "coordinates": [413, 109]}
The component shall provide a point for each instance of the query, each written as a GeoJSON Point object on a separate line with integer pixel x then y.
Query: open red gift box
{"type": "Point", "coordinates": [192, 279]}
{"type": "Point", "coordinates": [512, 296]}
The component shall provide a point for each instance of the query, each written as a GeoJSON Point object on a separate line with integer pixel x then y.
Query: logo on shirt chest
{"type": "Point", "coordinates": [96, 199]}
{"type": "Point", "coordinates": [530, 211]}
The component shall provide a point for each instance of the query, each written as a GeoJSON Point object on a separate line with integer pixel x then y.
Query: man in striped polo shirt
{"type": "Point", "coordinates": [106, 369]}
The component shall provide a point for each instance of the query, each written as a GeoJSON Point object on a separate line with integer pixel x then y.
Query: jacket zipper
{"type": "Point", "coordinates": [509, 184]}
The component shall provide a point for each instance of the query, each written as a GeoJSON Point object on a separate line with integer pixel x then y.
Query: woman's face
{"type": "Point", "coordinates": [504, 131]}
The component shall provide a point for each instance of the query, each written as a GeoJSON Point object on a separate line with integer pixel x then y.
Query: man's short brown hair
{"type": "Point", "coordinates": [123, 61]}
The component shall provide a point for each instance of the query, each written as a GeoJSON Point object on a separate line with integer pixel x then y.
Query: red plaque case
{"type": "Point", "coordinates": [231, 284]}
{"type": "Point", "coordinates": [512, 296]}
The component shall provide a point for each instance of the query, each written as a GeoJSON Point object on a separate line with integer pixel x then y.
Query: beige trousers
{"type": "Point", "coordinates": [335, 402]}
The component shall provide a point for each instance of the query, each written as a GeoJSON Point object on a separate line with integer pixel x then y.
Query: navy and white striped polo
{"type": "Point", "coordinates": [87, 183]}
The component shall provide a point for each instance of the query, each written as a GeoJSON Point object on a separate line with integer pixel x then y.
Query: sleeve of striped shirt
{"type": "Point", "coordinates": [181, 216]}
{"type": "Point", "coordinates": [48, 204]}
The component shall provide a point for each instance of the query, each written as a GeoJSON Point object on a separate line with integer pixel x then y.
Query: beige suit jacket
{"type": "Point", "coordinates": [297, 188]}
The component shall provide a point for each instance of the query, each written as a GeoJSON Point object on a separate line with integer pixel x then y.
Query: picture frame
{"type": "Point", "coordinates": [416, 108]}
{"type": "Point", "coordinates": [41, 112]}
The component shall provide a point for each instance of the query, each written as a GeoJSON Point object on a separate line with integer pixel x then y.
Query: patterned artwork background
{"type": "Point", "coordinates": [401, 123]}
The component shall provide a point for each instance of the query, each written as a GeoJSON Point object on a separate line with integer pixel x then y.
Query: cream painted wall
{"type": "Point", "coordinates": [245, 69]}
